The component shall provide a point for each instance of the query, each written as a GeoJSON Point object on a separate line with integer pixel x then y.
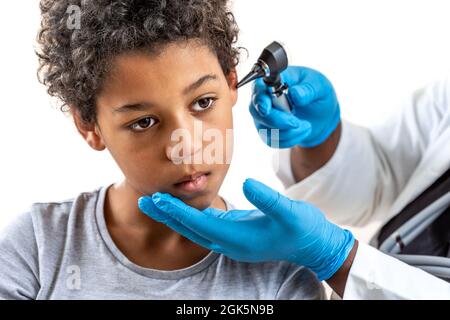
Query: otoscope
{"type": "Point", "coordinates": [272, 61]}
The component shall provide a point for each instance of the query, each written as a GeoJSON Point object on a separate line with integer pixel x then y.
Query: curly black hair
{"type": "Point", "coordinates": [73, 62]}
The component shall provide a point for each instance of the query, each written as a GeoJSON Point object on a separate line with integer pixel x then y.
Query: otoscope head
{"type": "Point", "coordinates": [275, 57]}
{"type": "Point", "coordinates": [272, 61]}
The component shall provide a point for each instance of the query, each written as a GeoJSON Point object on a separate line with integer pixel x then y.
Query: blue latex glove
{"type": "Point", "coordinates": [281, 229]}
{"type": "Point", "coordinates": [315, 109]}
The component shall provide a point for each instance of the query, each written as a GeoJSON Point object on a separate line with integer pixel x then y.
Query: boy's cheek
{"type": "Point", "coordinates": [140, 171]}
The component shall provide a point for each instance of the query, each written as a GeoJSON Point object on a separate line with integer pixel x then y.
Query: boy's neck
{"type": "Point", "coordinates": [121, 207]}
{"type": "Point", "coordinates": [143, 240]}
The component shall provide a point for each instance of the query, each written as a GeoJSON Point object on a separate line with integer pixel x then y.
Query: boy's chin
{"type": "Point", "coordinates": [201, 202]}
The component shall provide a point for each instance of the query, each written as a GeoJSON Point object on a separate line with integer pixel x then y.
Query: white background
{"type": "Point", "coordinates": [374, 52]}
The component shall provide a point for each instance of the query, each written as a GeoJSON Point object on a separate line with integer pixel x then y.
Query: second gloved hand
{"type": "Point", "coordinates": [280, 229]}
{"type": "Point", "coordinates": [315, 110]}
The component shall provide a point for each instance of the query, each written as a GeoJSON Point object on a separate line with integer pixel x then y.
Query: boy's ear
{"type": "Point", "coordinates": [232, 80]}
{"type": "Point", "coordinates": [89, 131]}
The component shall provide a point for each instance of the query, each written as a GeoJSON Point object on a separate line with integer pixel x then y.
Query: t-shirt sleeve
{"type": "Point", "coordinates": [299, 283]}
{"type": "Point", "coordinates": [19, 271]}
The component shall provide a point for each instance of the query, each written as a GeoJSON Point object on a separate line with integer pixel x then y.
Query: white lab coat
{"type": "Point", "coordinates": [373, 174]}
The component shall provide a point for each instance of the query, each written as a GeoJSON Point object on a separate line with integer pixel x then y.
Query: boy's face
{"type": "Point", "coordinates": [154, 114]}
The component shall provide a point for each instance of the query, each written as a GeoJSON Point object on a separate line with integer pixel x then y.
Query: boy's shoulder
{"type": "Point", "coordinates": [59, 211]}
{"type": "Point", "coordinates": [36, 239]}
{"type": "Point", "coordinates": [45, 218]}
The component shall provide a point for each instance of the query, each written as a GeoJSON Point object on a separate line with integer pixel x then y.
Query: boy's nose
{"type": "Point", "coordinates": [185, 142]}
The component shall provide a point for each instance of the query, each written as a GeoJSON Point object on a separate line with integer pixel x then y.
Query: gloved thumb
{"type": "Point", "coordinates": [267, 200]}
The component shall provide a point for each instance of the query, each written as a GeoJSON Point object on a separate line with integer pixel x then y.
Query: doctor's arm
{"type": "Point", "coordinates": [331, 161]}
{"type": "Point", "coordinates": [306, 161]}
{"type": "Point", "coordinates": [375, 275]}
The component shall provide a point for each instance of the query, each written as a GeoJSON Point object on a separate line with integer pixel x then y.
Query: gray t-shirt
{"type": "Point", "coordinates": [63, 250]}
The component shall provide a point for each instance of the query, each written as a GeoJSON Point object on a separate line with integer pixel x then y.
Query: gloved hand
{"type": "Point", "coordinates": [281, 229]}
{"type": "Point", "coordinates": [315, 109]}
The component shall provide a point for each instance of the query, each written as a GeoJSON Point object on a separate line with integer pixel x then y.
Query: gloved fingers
{"type": "Point", "coordinates": [294, 75]}
{"type": "Point", "coordinates": [259, 87]}
{"type": "Point", "coordinates": [267, 200]}
{"type": "Point", "coordinates": [213, 229]}
{"type": "Point", "coordinates": [261, 100]}
{"type": "Point", "coordinates": [305, 94]}
{"type": "Point", "coordinates": [306, 85]}
{"type": "Point", "coordinates": [283, 138]}
{"type": "Point", "coordinates": [278, 119]}
{"type": "Point", "coordinates": [312, 88]}
{"type": "Point", "coordinates": [148, 207]}
{"type": "Point", "coordinates": [232, 215]}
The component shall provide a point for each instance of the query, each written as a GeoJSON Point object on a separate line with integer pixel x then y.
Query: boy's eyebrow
{"type": "Point", "coordinates": [132, 107]}
{"type": "Point", "coordinates": [142, 106]}
{"type": "Point", "coordinates": [199, 83]}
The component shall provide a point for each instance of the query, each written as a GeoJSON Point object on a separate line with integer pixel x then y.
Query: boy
{"type": "Point", "coordinates": [133, 74]}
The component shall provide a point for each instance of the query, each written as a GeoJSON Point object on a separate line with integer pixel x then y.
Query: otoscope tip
{"type": "Point", "coordinates": [254, 74]}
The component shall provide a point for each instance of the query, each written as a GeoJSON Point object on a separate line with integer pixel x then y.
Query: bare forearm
{"type": "Point", "coordinates": [338, 281]}
{"type": "Point", "coordinates": [305, 161]}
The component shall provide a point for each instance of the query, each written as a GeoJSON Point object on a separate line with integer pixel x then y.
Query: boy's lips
{"type": "Point", "coordinates": [193, 183]}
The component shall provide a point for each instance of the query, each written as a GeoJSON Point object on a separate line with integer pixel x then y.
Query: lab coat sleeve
{"type": "Point", "coordinates": [375, 275]}
{"type": "Point", "coordinates": [370, 167]}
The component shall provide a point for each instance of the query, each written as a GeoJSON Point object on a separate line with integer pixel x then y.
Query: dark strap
{"type": "Point", "coordinates": [440, 187]}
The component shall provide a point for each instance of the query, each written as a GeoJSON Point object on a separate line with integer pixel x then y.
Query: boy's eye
{"type": "Point", "coordinates": [142, 124]}
{"type": "Point", "coordinates": [203, 104]}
